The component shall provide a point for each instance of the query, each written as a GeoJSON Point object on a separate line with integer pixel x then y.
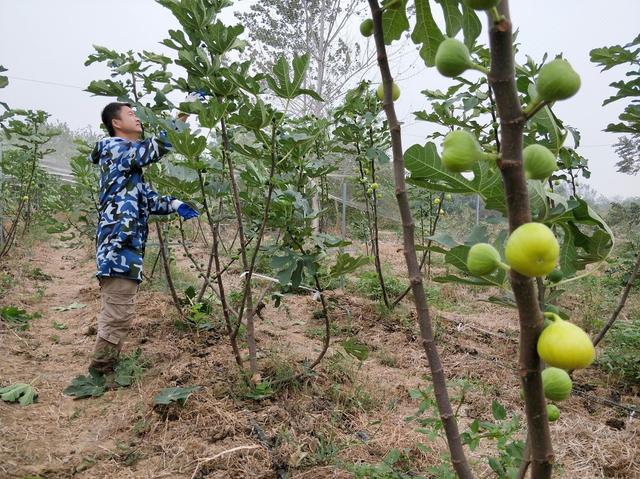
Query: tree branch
{"type": "Point", "coordinates": [449, 422]}
{"type": "Point", "coordinates": [502, 81]}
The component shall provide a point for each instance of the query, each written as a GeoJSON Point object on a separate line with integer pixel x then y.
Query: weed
{"type": "Point", "coordinates": [620, 356]}
{"type": "Point", "coordinates": [368, 284]}
{"type": "Point", "coordinates": [388, 360]}
{"type": "Point", "coordinates": [17, 318]}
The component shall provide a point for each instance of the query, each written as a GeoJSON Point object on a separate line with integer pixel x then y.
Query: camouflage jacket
{"type": "Point", "coordinates": [126, 201]}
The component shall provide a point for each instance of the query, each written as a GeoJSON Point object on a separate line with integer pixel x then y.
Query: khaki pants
{"type": "Point", "coordinates": [114, 319]}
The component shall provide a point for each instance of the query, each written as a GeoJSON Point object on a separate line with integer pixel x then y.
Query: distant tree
{"type": "Point", "coordinates": [322, 28]}
{"type": "Point", "coordinates": [627, 147]}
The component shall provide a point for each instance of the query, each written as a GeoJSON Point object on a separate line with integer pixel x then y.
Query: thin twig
{"type": "Point", "coordinates": [228, 451]}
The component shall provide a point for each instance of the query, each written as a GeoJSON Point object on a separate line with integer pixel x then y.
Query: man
{"type": "Point", "coordinates": [126, 201]}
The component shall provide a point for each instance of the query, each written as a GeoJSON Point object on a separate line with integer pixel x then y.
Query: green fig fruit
{"type": "Point", "coordinates": [395, 92]}
{"type": "Point", "coordinates": [461, 151]}
{"type": "Point", "coordinates": [366, 28]}
{"type": "Point", "coordinates": [557, 80]}
{"type": "Point", "coordinates": [539, 162]}
{"type": "Point", "coordinates": [556, 383]}
{"type": "Point", "coordinates": [564, 345]}
{"type": "Point", "coordinates": [482, 259]}
{"type": "Point", "coordinates": [452, 58]}
{"type": "Point", "coordinates": [553, 413]}
{"type": "Point", "coordinates": [555, 276]}
{"type": "Point", "coordinates": [532, 250]}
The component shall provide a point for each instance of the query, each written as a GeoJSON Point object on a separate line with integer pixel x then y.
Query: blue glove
{"type": "Point", "coordinates": [198, 95]}
{"type": "Point", "coordinates": [187, 212]}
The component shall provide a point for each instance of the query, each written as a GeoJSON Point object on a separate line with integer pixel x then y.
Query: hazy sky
{"type": "Point", "coordinates": [49, 41]}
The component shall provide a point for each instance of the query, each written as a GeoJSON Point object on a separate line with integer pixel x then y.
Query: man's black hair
{"type": "Point", "coordinates": [112, 112]}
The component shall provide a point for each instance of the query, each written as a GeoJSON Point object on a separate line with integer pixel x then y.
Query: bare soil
{"type": "Point", "coordinates": [346, 414]}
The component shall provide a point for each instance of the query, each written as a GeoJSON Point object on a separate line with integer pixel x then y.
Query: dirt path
{"type": "Point", "coordinates": [309, 428]}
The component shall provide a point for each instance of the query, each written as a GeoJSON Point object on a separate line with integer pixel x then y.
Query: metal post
{"type": "Point", "coordinates": [1, 188]}
{"type": "Point", "coordinates": [477, 209]}
{"type": "Point", "coordinates": [344, 220]}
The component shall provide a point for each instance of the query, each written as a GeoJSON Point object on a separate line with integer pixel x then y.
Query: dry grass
{"type": "Point", "coordinates": [346, 414]}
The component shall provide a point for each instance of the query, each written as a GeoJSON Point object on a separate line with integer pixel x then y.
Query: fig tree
{"type": "Point", "coordinates": [539, 162]}
{"type": "Point", "coordinates": [461, 151]}
{"type": "Point", "coordinates": [557, 80]}
{"type": "Point", "coordinates": [532, 250]}
{"type": "Point", "coordinates": [483, 259]}
{"type": "Point", "coordinates": [556, 384]}
{"type": "Point", "coordinates": [366, 27]}
{"type": "Point", "coordinates": [565, 345]}
{"type": "Point", "coordinates": [395, 92]}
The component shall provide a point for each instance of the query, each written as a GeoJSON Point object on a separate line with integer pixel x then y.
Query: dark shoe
{"type": "Point", "coordinates": [105, 357]}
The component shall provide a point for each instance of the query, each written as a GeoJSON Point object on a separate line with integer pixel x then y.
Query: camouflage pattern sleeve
{"type": "Point", "coordinates": [145, 152]}
{"type": "Point", "coordinates": [159, 204]}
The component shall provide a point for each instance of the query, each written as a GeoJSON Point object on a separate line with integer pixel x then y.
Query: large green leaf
{"type": "Point", "coordinates": [286, 86]}
{"type": "Point", "coordinates": [345, 263]}
{"type": "Point", "coordinates": [22, 393]}
{"type": "Point", "coordinates": [452, 16]}
{"type": "Point", "coordinates": [221, 38]}
{"type": "Point", "coordinates": [394, 23]}
{"type": "Point", "coordinates": [426, 32]}
{"type": "Point", "coordinates": [92, 385]}
{"type": "Point", "coordinates": [108, 88]}
{"type": "Point", "coordinates": [178, 395]}
{"type": "Point", "coordinates": [471, 26]}
{"type": "Point", "coordinates": [425, 166]}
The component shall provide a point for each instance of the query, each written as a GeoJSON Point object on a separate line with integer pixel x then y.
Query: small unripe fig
{"type": "Point", "coordinates": [366, 28]}
{"type": "Point", "coordinates": [369, 191]}
{"type": "Point", "coordinates": [25, 198]}
{"type": "Point", "coordinates": [532, 250]}
{"type": "Point", "coordinates": [452, 58]}
{"type": "Point", "coordinates": [555, 276]}
{"type": "Point", "coordinates": [553, 413]}
{"type": "Point", "coordinates": [375, 186]}
{"type": "Point", "coordinates": [436, 201]}
{"type": "Point", "coordinates": [481, 4]}
{"type": "Point", "coordinates": [556, 384]}
{"type": "Point", "coordinates": [565, 345]}
{"type": "Point", "coordinates": [482, 259]}
{"type": "Point", "coordinates": [395, 92]}
{"type": "Point", "coordinates": [448, 197]}
{"type": "Point", "coordinates": [539, 162]}
{"type": "Point", "coordinates": [557, 80]}
{"type": "Point", "coordinates": [461, 151]}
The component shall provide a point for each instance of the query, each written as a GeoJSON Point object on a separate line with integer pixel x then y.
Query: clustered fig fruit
{"type": "Point", "coordinates": [395, 92]}
{"type": "Point", "coordinates": [461, 151]}
{"type": "Point", "coordinates": [483, 259]}
{"type": "Point", "coordinates": [556, 384]}
{"type": "Point", "coordinates": [539, 162]}
{"type": "Point", "coordinates": [565, 345]}
{"type": "Point", "coordinates": [532, 250]}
